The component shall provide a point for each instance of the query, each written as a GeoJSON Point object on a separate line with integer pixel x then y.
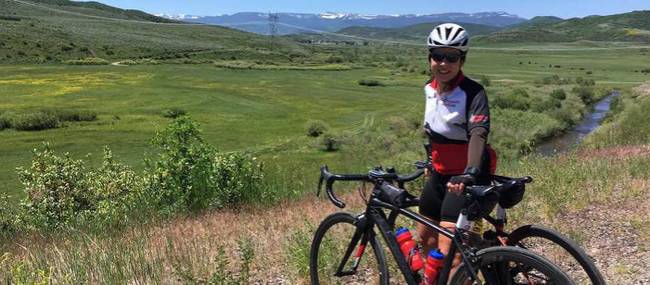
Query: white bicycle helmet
{"type": "Point", "coordinates": [449, 35]}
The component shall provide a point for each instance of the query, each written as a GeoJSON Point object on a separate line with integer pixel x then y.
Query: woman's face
{"type": "Point", "coordinates": [445, 63]}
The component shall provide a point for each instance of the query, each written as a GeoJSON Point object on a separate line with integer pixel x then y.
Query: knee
{"type": "Point", "coordinates": [427, 236]}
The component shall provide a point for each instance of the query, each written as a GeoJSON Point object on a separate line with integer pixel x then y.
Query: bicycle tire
{"type": "Point", "coordinates": [521, 235]}
{"type": "Point", "coordinates": [512, 265]}
{"type": "Point", "coordinates": [319, 261]}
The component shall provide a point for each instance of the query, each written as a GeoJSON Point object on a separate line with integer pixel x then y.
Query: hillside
{"type": "Point", "coordinates": [416, 33]}
{"type": "Point", "coordinates": [57, 30]}
{"type": "Point", "coordinates": [295, 23]}
{"type": "Point", "coordinates": [632, 27]}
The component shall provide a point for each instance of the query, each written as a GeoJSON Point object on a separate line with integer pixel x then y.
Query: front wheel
{"type": "Point", "coordinates": [339, 253]}
{"type": "Point", "coordinates": [560, 250]}
{"type": "Point", "coordinates": [511, 265]}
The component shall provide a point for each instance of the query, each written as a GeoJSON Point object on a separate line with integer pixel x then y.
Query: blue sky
{"type": "Point", "coordinates": [523, 8]}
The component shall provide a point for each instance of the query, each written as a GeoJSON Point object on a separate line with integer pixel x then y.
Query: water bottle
{"type": "Point", "coordinates": [433, 266]}
{"type": "Point", "coordinates": [409, 249]}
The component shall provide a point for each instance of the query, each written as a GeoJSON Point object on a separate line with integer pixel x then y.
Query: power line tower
{"type": "Point", "coordinates": [273, 24]}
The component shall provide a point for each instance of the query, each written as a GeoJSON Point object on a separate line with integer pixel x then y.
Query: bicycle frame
{"type": "Point", "coordinates": [375, 215]}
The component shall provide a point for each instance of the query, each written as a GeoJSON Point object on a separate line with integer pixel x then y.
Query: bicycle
{"type": "Point", "coordinates": [577, 264]}
{"type": "Point", "coordinates": [492, 265]}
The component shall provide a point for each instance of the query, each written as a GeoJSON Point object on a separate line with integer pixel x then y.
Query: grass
{"type": "Point", "coordinates": [264, 111]}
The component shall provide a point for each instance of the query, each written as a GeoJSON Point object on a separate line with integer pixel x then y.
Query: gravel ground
{"type": "Point", "coordinates": [617, 235]}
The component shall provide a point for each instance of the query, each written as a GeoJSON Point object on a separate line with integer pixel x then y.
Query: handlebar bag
{"type": "Point", "coordinates": [393, 195]}
{"type": "Point", "coordinates": [512, 195]}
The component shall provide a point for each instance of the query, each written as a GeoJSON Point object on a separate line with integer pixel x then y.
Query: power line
{"type": "Point", "coordinates": [273, 22]}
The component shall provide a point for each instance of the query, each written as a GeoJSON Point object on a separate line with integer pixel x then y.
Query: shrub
{"type": "Point", "coordinates": [334, 59]}
{"type": "Point", "coordinates": [237, 176]}
{"type": "Point", "coordinates": [544, 105]}
{"type": "Point", "coordinates": [315, 128]}
{"type": "Point", "coordinates": [115, 189]}
{"type": "Point", "coordinates": [34, 122]}
{"type": "Point", "coordinates": [585, 93]}
{"type": "Point", "coordinates": [330, 142]}
{"type": "Point", "coordinates": [370, 82]}
{"type": "Point", "coordinates": [585, 82]}
{"type": "Point", "coordinates": [398, 125]}
{"type": "Point", "coordinates": [558, 94]}
{"type": "Point", "coordinates": [61, 191]}
{"type": "Point", "coordinates": [5, 120]}
{"type": "Point", "coordinates": [553, 79]}
{"type": "Point", "coordinates": [485, 80]}
{"type": "Point", "coordinates": [55, 188]}
{"type": "Point", "coordinates": [72, 115]}
{"type": "Point", "coordinates": [174, 113]}
{"type": "Point", "coordinates": [512, 100]}
{"type": "Point", "coordinates": [177, 181]}
{"type": "Point", "coordinates": [189, 175]}
{"type": "Point", "coordinates": [87, 61]}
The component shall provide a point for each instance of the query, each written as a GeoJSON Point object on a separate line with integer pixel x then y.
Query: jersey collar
{"type": "Point", "coordinates": [455, 82]}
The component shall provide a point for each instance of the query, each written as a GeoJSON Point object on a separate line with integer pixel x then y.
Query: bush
{"type": "Point", "coordinates": [398, 125]}
{"type": "Point", "coordinates": [485, 80]}
{"type": "Point", "coordinates": [61, 192]}
{"type": "Point", "coordinates": [174, 113]}
{"type": "Point", "coordinates": [5, 121]}
{"type": "Point", "coordinates": [330, 142]}
{"type": "Point", "coordinates": [585, 82]}
{"type": "Point", "coordinates": [585, 93]}
{"type": "Point", "coordinates": [553, 79]}
{"type": "Point", "coordinates": [87, 61]}
{"type": "Point", "coordinates": [189, 175]}
{"type": "Point", "coordinates": [334, 59]}
{"type": "Point", "coordinates": [513, 100]}
{"type": "Point", "coordinates": [34, 122]}
{"type": "Point", "coordinates": [558, 94]}
{"type": "Point", "coordinates": [238, 178]}
{"type": "Point", "coordinates": [315, 128]}
{"type": "Point", "coordinates": [545, 105]}
{"type": "Point", "coordinates": [72, 115]}
{"type": "Point", "coordinates": [56, 189]}
{"type": "Point", "coordinates": [370, 82]}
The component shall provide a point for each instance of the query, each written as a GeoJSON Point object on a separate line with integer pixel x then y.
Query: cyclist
{"type": "Point", "coordinates": [457, 122]}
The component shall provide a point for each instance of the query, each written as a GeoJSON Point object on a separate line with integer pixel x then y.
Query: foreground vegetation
{"type": "Point", "coordinates": [232, 247]}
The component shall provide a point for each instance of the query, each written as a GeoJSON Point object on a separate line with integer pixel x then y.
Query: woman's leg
{"type": "Point", "coordinates": [430, 204]}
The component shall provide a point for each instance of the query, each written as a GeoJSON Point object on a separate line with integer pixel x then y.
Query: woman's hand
{"type": "Point", "coordinates": [456, 188]}
{"type": "Point", "coordinates": [457, 183]}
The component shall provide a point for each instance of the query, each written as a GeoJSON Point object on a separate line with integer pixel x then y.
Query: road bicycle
{"type": "Point", "coordinates": [561, 250]}
{"type": "Point", "coordinates": [340, 254]}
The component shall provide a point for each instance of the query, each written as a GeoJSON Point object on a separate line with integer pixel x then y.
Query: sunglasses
{"type": "Point", "coordinates": [439, 56]}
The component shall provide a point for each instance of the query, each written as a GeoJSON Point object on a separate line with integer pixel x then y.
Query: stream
{"type": "Point", "coordinates": [573, 137]}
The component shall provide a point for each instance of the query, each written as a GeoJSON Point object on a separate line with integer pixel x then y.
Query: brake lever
{"type": "Point", "coordinates": [320, 185]}
{"type": "Point", "coordinates": [320, 180]}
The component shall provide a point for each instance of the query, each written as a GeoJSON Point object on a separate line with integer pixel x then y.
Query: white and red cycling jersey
{"type": "Point", "coordinates": [451, 118]}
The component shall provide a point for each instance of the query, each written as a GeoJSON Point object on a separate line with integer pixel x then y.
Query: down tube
{"type": "Point", "coordinates": [390, 240]}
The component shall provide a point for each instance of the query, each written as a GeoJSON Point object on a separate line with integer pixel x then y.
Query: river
{"type": "Point", "coordinates": [588, 124]}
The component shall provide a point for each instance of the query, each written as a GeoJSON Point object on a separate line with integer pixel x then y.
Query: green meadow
{"type": "Point", "coordinates": [264, 111]}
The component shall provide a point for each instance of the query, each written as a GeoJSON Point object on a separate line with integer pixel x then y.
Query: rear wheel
{"type": "Point", "coordinates": [560, 250]}
{"type": "Point", "coordinates": [511, 265]}
{"type": "Point", "coordinates": [332, 246]}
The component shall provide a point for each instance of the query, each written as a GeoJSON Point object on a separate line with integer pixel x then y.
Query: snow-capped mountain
{"type": "Point", "coordinates": [290, 23]}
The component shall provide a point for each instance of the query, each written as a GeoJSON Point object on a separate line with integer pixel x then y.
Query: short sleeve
{"type": "Point", "coordinates": [479, 112]}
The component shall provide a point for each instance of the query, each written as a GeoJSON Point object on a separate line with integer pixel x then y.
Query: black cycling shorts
{"type": "Point", "coordinates": [440, 205]}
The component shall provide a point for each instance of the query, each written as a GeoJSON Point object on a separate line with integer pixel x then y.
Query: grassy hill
{"type": "Point", "coordinates": [630, 27]}
{"type": "Point", "coordinates": [58, 30]}
{"type": "Point", "coordinates": [416, 33]}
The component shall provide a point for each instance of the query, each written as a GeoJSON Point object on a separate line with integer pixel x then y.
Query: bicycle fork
{"type": "Point", "coordinates": [359, 238]}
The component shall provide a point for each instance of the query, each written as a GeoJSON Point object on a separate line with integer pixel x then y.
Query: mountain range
{"type": "Point", "coordinates": [292, 23]}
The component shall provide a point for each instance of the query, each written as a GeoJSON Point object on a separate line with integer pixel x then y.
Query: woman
{"type": "Point", "coordinates": [457, 122]}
